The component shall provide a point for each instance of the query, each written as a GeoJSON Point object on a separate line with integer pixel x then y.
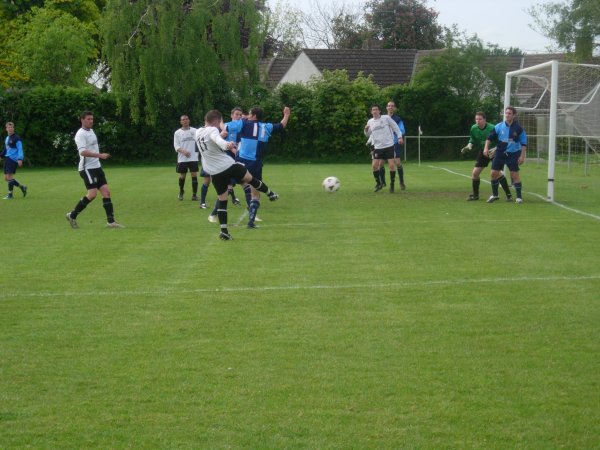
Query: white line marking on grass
{"type": "Point", "coordinates": [406, 284]}
{"type": "Point", "coordinates": [560, 205]}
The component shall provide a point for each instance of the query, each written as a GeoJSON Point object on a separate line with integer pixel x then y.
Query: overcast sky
{"type": "Point", "coordinates": [502, 22]}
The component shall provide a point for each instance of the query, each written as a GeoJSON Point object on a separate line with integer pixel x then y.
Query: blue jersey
{"type": "Point", "coordinates": [13, 148]}
{"type": "Point", "coordinates": [232, 134]}
{"type": "Point", "coordinates": [400, 123]}
{"type": "Point", "coordinates": [254, 136]}
{"type": "Point", "coordinates": [510, 137]}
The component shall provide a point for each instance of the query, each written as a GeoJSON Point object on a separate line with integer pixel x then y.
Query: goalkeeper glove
{"type": "Point", "coordinates": [492, 153]}
{"type": "Point", "coordinates": [466, 148]}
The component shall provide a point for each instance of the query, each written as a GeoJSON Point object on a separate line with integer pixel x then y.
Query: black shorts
{"type": "Point", "coordinates": [93, 178]}
{"type": "Point", "coordinates": [482, 160]}
{"type": "Point", "coordinates": [384, 153]}
{"type": "Point", "coordinates": [183, 167]}
{"type": "Point", "coordinates": [509, 159]}
{"type": "Point", "coordinates": [10, 166]}
{"type": "Point", "coordinates": [221, 180]}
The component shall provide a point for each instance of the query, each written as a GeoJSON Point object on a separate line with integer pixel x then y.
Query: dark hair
{"type": "Point", "coordinates": [237, 108]}
{"type": "Point", "coordinates": [512, 108]}
{"type": "Point", "coordinates": [257, 112]}
{"type": "Point", "coordinates": [376, 106]}
{"type": "Point", "coordinates": [84, 114]}
{"type": "Point", "coordinates": [212, 115]}
{"type": "Point", "coordinates": [480, 113]}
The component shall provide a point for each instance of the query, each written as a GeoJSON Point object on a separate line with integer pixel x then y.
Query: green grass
{"type": "Point", "coordinates": [351, 320]}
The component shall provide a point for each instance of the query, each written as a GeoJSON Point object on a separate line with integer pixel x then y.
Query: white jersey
{"type": "Point", "coordinates": [381, 131]}
{"type": "Point", "coordinates": [186, 139]}
{"type": "Point", "coordinates": [212, 150]}
{"type": "Point", "coordinates": [87, 140]}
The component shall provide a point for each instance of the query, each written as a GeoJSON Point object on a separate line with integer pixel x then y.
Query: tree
{"type": "Point", "coordinates": [469, 79]}
{"type": "Point", "coordinates": [404, 24]}
{"type": "Point", "coordinates": [194, 55]}
{"type": "Point", "coordinates": [574, 25]}
{"type": "Point", "coordinates": [16, 17]}
{"type": "Point", "coordinates": [54, 48]}
{"type": "Point", "coordinates": [334, 26]}
{"type": "Point", "coordinates": [284, 30]}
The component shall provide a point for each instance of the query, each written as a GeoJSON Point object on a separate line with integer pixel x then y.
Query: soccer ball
{"type": "Point", "coordinates": [331, 184]}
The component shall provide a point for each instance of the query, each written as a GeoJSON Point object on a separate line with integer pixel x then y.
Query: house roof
{"type": "Point", "coordinates": [386, 66]}
{"type": "Point", "coordinates": [277, 69]}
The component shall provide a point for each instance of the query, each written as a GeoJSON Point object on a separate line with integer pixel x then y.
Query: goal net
{"type": "Point", "coordinates": [558, 105]}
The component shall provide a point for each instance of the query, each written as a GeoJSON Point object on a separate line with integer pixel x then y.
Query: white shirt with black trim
{"type": "Point", "coordinates": [212, 150]}
{"type": "Point", "coordinates": [185, 139]}
{"type": "Point", "coordinates": [87, 140]}
{"type": "Point", "coordinates": [382, 130]}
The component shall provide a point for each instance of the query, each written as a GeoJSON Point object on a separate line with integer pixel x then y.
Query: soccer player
{"type": "Point", "coordinates": [391, 110]}
{"type": "Point", "coordinates": [254, 136]}
{"type": "Point", "coordinates": [382, 130]}
{"type": "Point", "coordinates": [13, 158]}
{"type": "Point", "coordinates": [510, 151]}
{"type": "Point", "coordinates": [477, 135]}
{"type": "Point", "coordinates": [222, 168]}
{"type": "Point", "coordinates": [187, 156]}
{"type": "Point", "coordinates": [236, 114]}
{"type": "Point", "coordinates": [91, 172]}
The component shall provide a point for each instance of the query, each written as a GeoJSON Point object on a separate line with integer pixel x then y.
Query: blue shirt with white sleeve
{"type": "Point", "coordinates": [510, 137]}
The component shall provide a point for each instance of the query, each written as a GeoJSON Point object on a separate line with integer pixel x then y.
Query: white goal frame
{"type": "Point", "coordinates": [552, 87]}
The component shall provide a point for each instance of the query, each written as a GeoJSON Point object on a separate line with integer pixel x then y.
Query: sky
{"type": "Point", "coordinates": [501, 22]}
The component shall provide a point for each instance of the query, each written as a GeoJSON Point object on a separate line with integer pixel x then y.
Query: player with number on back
{"type": "Point", "coordinates": [222, 168]}
{"type": "Point", "coordinates": [477, 136]}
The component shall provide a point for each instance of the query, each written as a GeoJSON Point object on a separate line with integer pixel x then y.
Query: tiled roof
{"type": "Point", "coordinates": [386, 66]}
{"type": "Point", "coordinates": [277, 69]}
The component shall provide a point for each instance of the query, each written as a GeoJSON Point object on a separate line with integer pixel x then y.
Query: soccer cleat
{"type": "Point", "coordinates": [402, 186]}
{"type": "Point", "coordinates": [24, 190]}
{"type": "Point", "coordinates": [72, 221]}
{"type": "Point", "coordinates": [519, 200]}
{"type": "Point", "coordinates": [180, 196]}
{"type": "Point", "coordinates": [212, 219]}
{"type": "Point", "coordinates": [9, 196]}
{"type": "Point", "coordinates": [472, 198]}
{"type": "Point", "coordinates": [383, 184]}
{"type": "Point", "coordinates": [114, 225]}
{"type": "Point", "coordinates": [225, 236]}
{"type": "Point", "coordinates": [509, 198]}
{"type": "Point", "coordinates": [273, 196]}
{"type": "Point", "coordinates": [391, 188]}
{"type": "Point", "coordinates": [251, 225]}
{"type": "Point", "coordinates": [493, 198]}
{"type": "Point", "coordinates": [257, 219]}
{"type": "Point", "coordinates": [203, 205]}
{"type": "Point", "coordinates": [194, 198]}
{"type": "Point", "coordinates": [378, 187]}
{"type": "Point", "coordinates": [236, 201]}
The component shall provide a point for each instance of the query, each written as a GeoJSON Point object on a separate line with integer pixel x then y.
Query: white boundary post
{"type": "Point", "coordinates": [553, 113]}
{"type": "Point", "coordinates": [552, 129]}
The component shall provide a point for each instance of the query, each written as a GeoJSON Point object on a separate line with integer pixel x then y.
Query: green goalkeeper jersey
{"type": "Point", "coordinates": [477, 136]}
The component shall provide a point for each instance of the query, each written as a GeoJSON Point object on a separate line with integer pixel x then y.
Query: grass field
{"type": "Point", "coordinates": [351, 320]}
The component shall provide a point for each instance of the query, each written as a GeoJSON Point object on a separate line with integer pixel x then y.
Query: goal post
{"type": "Point", "coordinates": [558, 105]}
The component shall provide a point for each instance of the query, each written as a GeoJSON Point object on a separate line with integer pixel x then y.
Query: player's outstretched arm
{"type": "Point", "coordinates": [286, 116]}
